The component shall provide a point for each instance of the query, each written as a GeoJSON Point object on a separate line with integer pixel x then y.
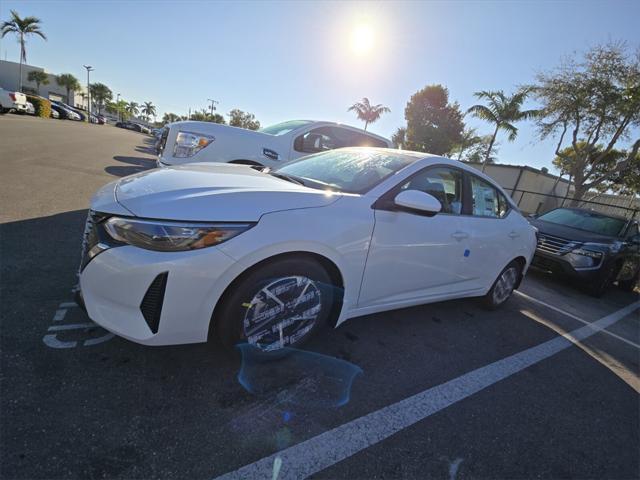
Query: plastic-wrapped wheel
{"type": "Point", "coordinates": [278, 305]}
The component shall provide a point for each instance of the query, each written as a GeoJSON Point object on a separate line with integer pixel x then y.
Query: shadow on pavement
{"type": "Point", "coordinates": [137, 165]}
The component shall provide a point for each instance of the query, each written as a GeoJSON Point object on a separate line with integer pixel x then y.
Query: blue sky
{"type": "Point", "coordinates": [286, 60]}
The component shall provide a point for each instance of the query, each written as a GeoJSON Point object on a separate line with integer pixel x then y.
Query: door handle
{"type": "Point", "coordinates": [514, 234]}
{"type": "Point", "coordinates": [460, 235]}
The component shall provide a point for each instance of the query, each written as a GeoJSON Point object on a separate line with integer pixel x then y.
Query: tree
{"type": "Point", "coordinates": [149, 110]}
{"type": "Point", "coordinates": [39, 78]}
{"type": "Point", "coordinates": [468, 139]}
{"type": "Point", "coordinates": [100, 94]}
{"type": "Point", "coordinates": [206, 116]}
{"type": "Point", "coordinates": [366, 112]}
{"type": "Point", "coordinates": [132, 108]}
{"type": "Point", "coordinates": [593, 103]}
{"type": "Point", "coordinates": [170, 117]}
{"type": "Point", "coordinates": [477, 152]}
{"type": "Point", "coordinates": [22, 27]}
{"type": "Point", "coordinates": [400, 137]}
{"type": "Point", "coordinates": [238, 118]}
{"type": "Point", "coordinates": [433, 124]}
{"type": "Point", "coordinates": [503, 111]}
{"type": "Point", "coordinates": [69, 82]}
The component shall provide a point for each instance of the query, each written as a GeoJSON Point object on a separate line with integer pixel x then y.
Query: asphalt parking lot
{"type": "Point", "coordinates": [447, 390]}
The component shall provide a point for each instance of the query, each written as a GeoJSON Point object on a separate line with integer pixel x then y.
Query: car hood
{"type": "Point", "coordinates": [570, 233]}
{"type": "Point", "coordinates": [213, 192]}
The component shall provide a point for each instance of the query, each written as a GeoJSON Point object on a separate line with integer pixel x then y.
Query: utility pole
{"type": "Point", "coordinates": [89, 69]}
{"type": "Point", "coordinates": [213, 103]}
{"type": "Point", "coordinates": [118, 106]}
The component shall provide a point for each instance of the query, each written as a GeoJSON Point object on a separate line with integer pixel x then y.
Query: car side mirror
{"type": "Point", "coordinates": [419, 202]}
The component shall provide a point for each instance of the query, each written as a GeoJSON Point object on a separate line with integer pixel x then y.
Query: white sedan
{"type": "Point", "coordinates": [181, 254]}
{"type": "Point", "coordinates": [188, 142]}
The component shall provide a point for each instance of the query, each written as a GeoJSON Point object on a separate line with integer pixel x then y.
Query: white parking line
{"type": "Point", "coordinates": [571, 315]}
{"type": "Point", "coordinates": [328, 448]}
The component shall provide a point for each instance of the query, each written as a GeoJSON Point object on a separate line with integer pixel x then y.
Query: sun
{"type": "Point", "coordinates": [362, 39]}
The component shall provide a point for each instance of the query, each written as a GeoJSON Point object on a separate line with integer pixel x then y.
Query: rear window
{"type": "Point", "coordinates": [585, 220]}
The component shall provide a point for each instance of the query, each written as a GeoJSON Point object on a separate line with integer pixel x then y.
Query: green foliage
{"type": "Point", "coordinates": [591, 105]}
{"type": "Point", "coordinates": [69, 82]}
{"type": "Point", "coordinates": [132, 108]}
{"type": "Point", "coordinates": [433, 124]}
{"type": "Point", "coordinates": [399, 138]}
{"type": "Point", "coordinates": [41, 105]}
{"type": "Point", "coordinates": [238, 118]}
{"type": "Point", "coordinates": [205, 116]}
{"type": "Point", "coordinates": [39, 78]}
{"type": "Point", "coordinates": [100, 95]}
{"type": "Point", "coordinates": [502, 111]}
{"type": "Point", "coordinates": [22, 28]}
{"type": "Point", "coordinates": [173, 117]}
{"type": "Point", "coordinates": [148, 110]}
{"type": "Point", "coordinates": [366, 112]}
{"type": "Point", "coordinates": [476, 152]}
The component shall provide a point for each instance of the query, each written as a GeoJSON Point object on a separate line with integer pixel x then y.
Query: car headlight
{"type": "Point", "coordinates": [166, 236]}
{"type": "Point", "coordinates": [588, 255]}
{"type": "Point", "coordinates": [189, 143]}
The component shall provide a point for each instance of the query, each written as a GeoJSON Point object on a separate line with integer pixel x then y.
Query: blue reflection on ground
{"type": "Point", "coordinates": [297, 377]}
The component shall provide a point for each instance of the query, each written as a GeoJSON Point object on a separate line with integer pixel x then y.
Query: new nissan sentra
{"type": "Point", "coordinates": [181, 254]}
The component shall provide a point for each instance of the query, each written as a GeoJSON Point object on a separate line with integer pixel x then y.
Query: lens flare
{"type": "Point", "coordinates": [362, 39]}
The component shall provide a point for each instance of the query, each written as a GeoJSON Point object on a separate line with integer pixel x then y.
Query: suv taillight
{"type": "Point", "coordinates": [13, 96]}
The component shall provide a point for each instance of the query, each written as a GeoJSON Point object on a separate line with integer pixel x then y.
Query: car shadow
{"type": "Point", "coordinates": [135, 165]}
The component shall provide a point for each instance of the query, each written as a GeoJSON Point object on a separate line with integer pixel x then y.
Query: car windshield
{"type": "Point", "coordinates": [584, 220]}
{"type": "Point", "coordinates": [347, 170]}
{"type": "Point", "coordinates": [284, 127]}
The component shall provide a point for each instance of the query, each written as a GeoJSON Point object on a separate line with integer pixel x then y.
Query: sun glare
{"type": "Point", "coordinates": [362, 39]}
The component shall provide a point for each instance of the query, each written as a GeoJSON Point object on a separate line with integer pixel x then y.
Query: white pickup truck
{"type": "Point", "coordinates": [188, 142]}
{"type": "Point", "coordinates": [12, 101]}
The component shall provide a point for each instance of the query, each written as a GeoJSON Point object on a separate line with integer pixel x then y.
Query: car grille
{"type": "Point", "coordinates": [553, 245]}
{"type": "Point", "coordinates": [91, 236]}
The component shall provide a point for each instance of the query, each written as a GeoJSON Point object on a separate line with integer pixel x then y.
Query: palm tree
{"type": "Point", "coordinates": [149, 110]}
{"type": "Point", "coordinates": [468, 139]}
{"type": "Point", "coordinates": [170, 117]}
{"type": "Point", "coordinates": [69, 82]}
{"type": "Point", "coordinates": [22, 27]}
{"type": "Point", "coordinates": [100, 94]}
{"type": "Point", "coordinates": [39, 78]}
{"type": "Point", "coordinates": [503, 111]}
{"type": "Point", "coordinates": [366, 112]}
{"type": "Point", "coordinates": [132, 108]}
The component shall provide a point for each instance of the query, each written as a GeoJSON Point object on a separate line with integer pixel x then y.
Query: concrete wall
{"type": "Point", "coordinates": [10, 73]}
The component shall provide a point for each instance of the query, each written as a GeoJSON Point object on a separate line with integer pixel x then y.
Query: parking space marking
{"type": "Point", "coordinates": [570, 315]}
{"type": "Point", "coordinates": [328, 448]}
{"type": "Point", "coordinates": [51, 339]}
{"type": "Point", "coordinates": [60, 314]}
{"type": "Point", "coordinates": [70, 326]}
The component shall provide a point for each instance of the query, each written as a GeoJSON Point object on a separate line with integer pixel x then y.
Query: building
{"type": "Point", "coordinates": [9, 80]}
{"type": "Point", "coordinates": [538, 191]}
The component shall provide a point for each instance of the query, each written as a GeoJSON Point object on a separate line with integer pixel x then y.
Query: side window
{"type": "Point", "coordinates": [316, 140]}
{"type": "Point", "coordinates": [443, 183]}
{"type": "Point", "coordinates": [633, 232]}
{"type": "Point", "coordinates": [350, 138]}
{"type": "Point", "coordinates": [486, 200]}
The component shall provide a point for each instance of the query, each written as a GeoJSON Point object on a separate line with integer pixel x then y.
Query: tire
{"type": "Point", "coordinates": [504, 286]}
{"type": "Point", "coordinates": [628, 285]}
{"type": "Point", "coordinates": [243, 317]}
{"type": "Point", "coordinates": [600, 286]}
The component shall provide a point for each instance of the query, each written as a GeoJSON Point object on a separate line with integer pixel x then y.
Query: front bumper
{"type": "Point", "coordinates": [559, 265]}
{"type": "Point", "coordinates": [117, 282]}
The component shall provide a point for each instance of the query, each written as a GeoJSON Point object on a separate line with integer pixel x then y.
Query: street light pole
{"type": "Point", "coordinates": [213, 102]}
{"type": "Point", "coordinates": [89, 69]}
{"type": "Point", "coordinates": [118, 106]}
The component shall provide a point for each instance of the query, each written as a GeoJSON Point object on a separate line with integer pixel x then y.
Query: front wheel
{"type": "Point", "coordinates": [503, 287]}
{"type": "Point", "coordinates": [281, 304]}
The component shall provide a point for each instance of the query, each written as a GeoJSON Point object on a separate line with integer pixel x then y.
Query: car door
{"type": "Point", "coordinates": [494, 234]}
{"type": "Point", "coordinates": [413, 256]}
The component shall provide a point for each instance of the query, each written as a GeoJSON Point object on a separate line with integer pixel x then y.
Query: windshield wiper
{"type": "Point", "coordinates": [289, 178]}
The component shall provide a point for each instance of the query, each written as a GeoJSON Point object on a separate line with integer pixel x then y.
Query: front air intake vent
{"type": "Point", "coordinates": [151, 306]}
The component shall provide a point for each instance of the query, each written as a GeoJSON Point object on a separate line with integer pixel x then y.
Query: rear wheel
{"type": "Point", "coordinates": [281, 304]}
{"type": "Point", "coordinates": [504, 286]}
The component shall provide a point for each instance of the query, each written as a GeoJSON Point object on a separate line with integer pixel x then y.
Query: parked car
{"type": "Point", "coordinates": [161, 139]}
{"type": "Point", "coordinates": [272, 146]}
{"type": "Point", "coordinates": [12, 101]}
{"type": "Point", "coordinates": [65, 112]}
{"type": "Point", "coordinates": [594, 248]}
{"type": "Point", "coordinates": [130, 126]}
{"type": "Point", "coordinates": [101, 119]}
{"type": "Point", "coordinates": [181, 254]}
{"type": "Point", "coordinates": [31, 110]}
{"type": "Point", "coordinates": [54, 114]}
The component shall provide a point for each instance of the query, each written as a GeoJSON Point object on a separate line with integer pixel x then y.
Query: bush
{"type": "Point", "coordinates": [42, 106]}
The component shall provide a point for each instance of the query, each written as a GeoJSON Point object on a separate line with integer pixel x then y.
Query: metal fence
{"type": "Point", "coordinates": [538, 203]}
